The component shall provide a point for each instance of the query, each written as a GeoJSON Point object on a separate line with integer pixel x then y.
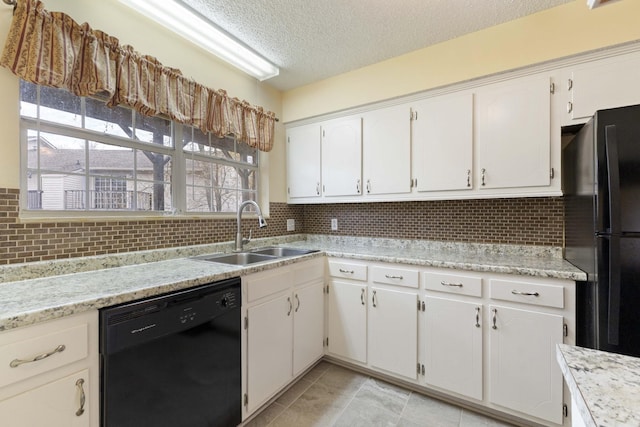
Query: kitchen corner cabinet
{"type": "Point", "coordinates": [342, 157]}
{"type": "Point", "coordinates": [303, 162]}
{"type": "Point", "coordinates": [284, 327]}
{"type": "Point", "coordinates": [386, 151]}
{"type": "Point", "coordinates": [513, 134]}
{"type": "Point", "coordinates": [59, 389]}
{"type": "Point", "coordinates": [608, 83]}
{"type": "Point", "coordinates": [442, 132]}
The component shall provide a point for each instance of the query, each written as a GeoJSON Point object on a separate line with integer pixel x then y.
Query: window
{"type": "Point", "coordinates": [80, 155]}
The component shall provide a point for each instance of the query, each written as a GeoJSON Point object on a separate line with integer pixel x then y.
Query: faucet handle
{"type": "Point", "coordinates": [248, 239]}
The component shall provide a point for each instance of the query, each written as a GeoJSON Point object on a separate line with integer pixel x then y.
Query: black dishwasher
{"type": "Point", "coordinates": [173, 360]}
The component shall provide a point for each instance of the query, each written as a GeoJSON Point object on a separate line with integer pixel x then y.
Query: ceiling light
{"type": "Point", "coordinates": [597, 3]}
{"type": "Point", "coordinates": [184, 21]}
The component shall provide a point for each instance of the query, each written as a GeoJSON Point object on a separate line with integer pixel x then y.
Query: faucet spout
{"type": "Point", "coordinates": [261, 223]}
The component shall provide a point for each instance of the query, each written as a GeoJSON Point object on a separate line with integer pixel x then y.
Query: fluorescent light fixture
{"type": "Point", "coordinates": [182, 20]}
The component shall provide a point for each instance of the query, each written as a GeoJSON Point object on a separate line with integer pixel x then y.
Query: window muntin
{"type": "Point", "coordinates": [84, 156]}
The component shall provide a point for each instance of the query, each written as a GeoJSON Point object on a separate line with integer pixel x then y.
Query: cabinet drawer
{"type": "Point", "coordinates": [53, 348]}
{"type": "Point", "coordinates": [527, 292]}
{"type": "Point", "coordinates": [267, 283]}
{"type": "Point", "coordinates": [348, 270]}
{"type": "Point", "coordinates": [309, 271]}
{"type": "Point", "coordinates": [395, 276]}
{"type": "Point", "coordinates": [453, 284]}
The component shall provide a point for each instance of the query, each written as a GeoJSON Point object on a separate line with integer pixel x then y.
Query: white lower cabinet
{"type": "Point", "coordinates": [347, 323]}
{"type": "Point", "coordinates": [453, 346]}
{"type": "Point", "coordinates": [56, 404]}
{"type": "Point", "coordinates": [393, 331]}
{"type": "Point", "coordinates": [284, 327]}
{"type": "Point", "coordinates": [49, 373]}
{"type": "Point", "coordinates": [524, 374]}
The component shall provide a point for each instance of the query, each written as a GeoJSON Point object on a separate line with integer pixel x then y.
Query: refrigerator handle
{"type": "Point", "coordinates": [613, 178]}
{"type": "Point", "coordinates": [613, 310]}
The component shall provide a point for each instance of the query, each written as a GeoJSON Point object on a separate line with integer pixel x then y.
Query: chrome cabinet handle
{"type": "Point", "coordinates": [345, 271]}
{"type": "Point", "coordinates": [83, 398]}
{"type": "Point", "coordinates": [297, 306]}
{"type": "Point", "coordinates": [290, 306]}
{"type": "Point", "coordinates": [368, 186]}
{"type": "Point", "coordinates": [373, 299]}
{"type": "Point", "coordinates": [17, 362]}
{"type": "Point", "coordinates": [569, 107]}
{"type": "Point", "coordinates": [452, 285]}
{"type": "Point", "coordinates": [362, 296]}
{"type": "Point", "coordinates": [358, 186]}
{"type": "Point", "coordinates": [495, 315]}
{"type": "Point", "coordinates": [477, 317]}
{"type": "Point", "coordinates": [529, 294]}
{"type": "Point", "coordinates": [484, 171]}
{"type": "Point", "coordinates": [468, 177]}
{"type": "Point", "coordinates": [318, 188]}
{"type": "Point", "coordinates": [388, 276]}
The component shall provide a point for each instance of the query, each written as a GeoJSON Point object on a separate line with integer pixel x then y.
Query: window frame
{"type": "Point", "coordinates": [178, 178]}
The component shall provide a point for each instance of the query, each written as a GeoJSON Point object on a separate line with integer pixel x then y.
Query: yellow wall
{"type": "Point", "coordinates": [562, 31]}
{"type": "Point", "coordinates": [149, 38]}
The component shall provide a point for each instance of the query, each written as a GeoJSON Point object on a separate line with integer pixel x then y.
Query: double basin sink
{"type": "Point", "coordinates": [255, 256]}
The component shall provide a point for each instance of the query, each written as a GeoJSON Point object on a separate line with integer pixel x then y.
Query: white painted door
{"type": "Point", "coordinates": [56, 404]}
{"type": "Point", "coordinates": [342, 157]}
{"type": "Point", "coordinates": [308, 326]}
{"type": "Point", "coordinates": [303, 161]}
{"type": "Point", "coordinates": [269, 349]}
{"type": "Point", "coordinates": [513, 134]}
{"type": "Point", "coordinates": [453, 346]}
{"type": "Point", "coordinates": [442, 136]}
{"type": "Point", "coordinates": [386, 150]}
{"type": "Point", "coordinates": [608, 83]}
{"type": "Point", "coordinates": [347, 321]}
{"type": "Point", "coordinates": [393, 331]}
{"type": "Point", "coordinates": [523, 372]}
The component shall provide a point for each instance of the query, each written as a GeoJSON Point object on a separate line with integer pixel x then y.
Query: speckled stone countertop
{"type": "Point", "coordinates": [605, 386]}
{"type": "Point", "coordinates": [36, 292]}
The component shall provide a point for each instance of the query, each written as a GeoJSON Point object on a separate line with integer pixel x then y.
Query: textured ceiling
{"type": "Point", "coordinates": [311, 40]}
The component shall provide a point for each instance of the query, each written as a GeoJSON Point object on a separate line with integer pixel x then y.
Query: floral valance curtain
{"type": "Point", "coordinates": [50, 48]}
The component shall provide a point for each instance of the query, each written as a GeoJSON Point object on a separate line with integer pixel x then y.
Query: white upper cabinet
{"type": "Point", "coordinates": [443, 143]}
{"type": "Point", "coordinates": [513, 134]}
{"type": "Point", "coordinates": [342, 157]}
{"type": "Point", "coordinates": [599, 85]}
{"type": "Point", "coordinates": [386, 152]}
{"type": "Point", "coordinates": [303, 161]}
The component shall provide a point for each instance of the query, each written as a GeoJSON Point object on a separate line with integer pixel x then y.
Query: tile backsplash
{"type": "Point", "coordinates": [524, 221]}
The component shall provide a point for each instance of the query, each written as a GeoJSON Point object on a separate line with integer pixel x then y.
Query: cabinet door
{"type": "Point", "coordinates": [269, 349]}
{"type": "Point", "coordinates": [303, 161]}
{"type": "Point", "coordinates": [524, 374]}
{"type": "Point", "coordinates": [606, 84]}
{"type": "Point", "coordinates": [386, 152]}
{"type": "Point", "coordinates": [308, 326]}
{"type": "Point", "coordinates": [342, 157]}
{"type": "Point", "coordinates": [393, 331]}
{"type": "Point", "coordinates": [56, 404]}
{"type": "Point", "coordinates": [453, 346]}
{"type": "Point", "coordinates": [442, 133]}
{"type": "Point", "coordinates": [513, 135]}
{"type": "Point", "coordinates": [348, 320]}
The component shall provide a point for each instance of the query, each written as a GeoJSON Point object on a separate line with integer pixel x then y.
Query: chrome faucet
{"type": "Point", "coordinates": [261, 223]}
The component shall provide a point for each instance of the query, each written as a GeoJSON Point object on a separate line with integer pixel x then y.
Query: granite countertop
{"type": "Point", "coordinates": [36, 292]}
{"type": "Point", "coordinates": [605, 386]}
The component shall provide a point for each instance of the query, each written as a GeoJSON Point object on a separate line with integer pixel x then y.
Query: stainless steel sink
{"type": "Point", "coordinates": [239, 258]}
{"type": "Point", "coordinates": [282, 252]}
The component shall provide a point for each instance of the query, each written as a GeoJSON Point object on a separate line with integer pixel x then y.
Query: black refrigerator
{"type": "Point", "coordinates": [601, 187]}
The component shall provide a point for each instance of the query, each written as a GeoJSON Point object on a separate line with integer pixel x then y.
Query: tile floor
{"type": "Point", "coordinates": [330, 395]}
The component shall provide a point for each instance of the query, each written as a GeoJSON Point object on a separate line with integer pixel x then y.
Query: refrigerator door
{"type": "Point", "coordinates": [618, 170]}
{"type": "Point", "coordinates": [617, 293]}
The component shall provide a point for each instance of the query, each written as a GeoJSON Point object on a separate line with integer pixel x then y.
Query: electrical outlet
{"type": "Point", "coordinates": [334, 224]}
{"type": "Point", "coordinates": [291, 225]}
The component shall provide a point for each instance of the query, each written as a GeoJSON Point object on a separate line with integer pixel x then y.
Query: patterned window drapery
{"type": "Point", "coordinates": [50, 48]}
